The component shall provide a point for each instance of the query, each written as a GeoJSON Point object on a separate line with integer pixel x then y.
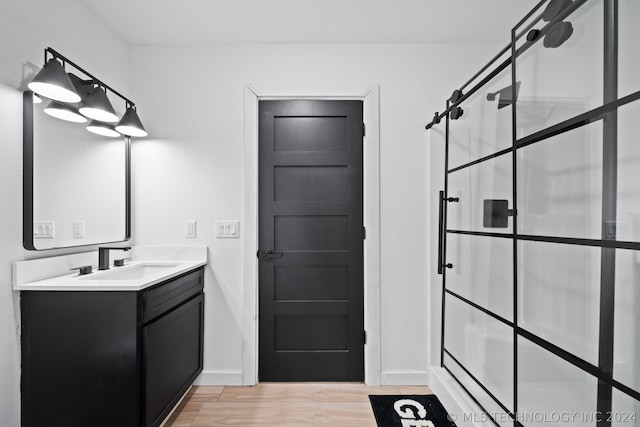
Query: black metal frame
{"type": "Point", "coordinates": [27, 181]}
{"type": "Point", "coordinates": [608, 243]}
{"type": "Point", "coordinates": [92, 79]}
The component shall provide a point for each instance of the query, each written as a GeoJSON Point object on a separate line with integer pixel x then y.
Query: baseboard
{"type": "Point", "coordinates": [455, 399]}
{"type": "Point", "coordinates": [218, 378]}
{"type": "Point", "coordinates": [405, 378]}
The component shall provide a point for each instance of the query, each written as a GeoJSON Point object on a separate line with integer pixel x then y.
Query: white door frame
{"type": "Point", "coordinates": [370, 95]}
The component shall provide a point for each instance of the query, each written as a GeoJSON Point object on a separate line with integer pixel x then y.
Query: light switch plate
{"type": "Point", "coordinates": [190, 229]}
{"type": "Point", "coordinates": [78, 229]}
{"type": "Point", "coordinates": [228, 229]}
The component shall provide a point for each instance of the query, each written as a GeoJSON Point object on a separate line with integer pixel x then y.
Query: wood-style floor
{"type": "Point", "coordinates": [282, 404]}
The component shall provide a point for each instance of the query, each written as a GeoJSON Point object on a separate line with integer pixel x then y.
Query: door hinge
{"type": "Point", "coordinates": [364, 130]}
{"type": "Point", "coordinates": [365, 337]}
{"type": "Point", "coordinates": [364, 233]}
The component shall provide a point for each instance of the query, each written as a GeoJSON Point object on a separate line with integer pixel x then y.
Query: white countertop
{"type": "Point", "coordinates": [149, 266]}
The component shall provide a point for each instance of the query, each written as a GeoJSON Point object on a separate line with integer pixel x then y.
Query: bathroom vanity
{"type": "Point", "coordinates": [112, 348]}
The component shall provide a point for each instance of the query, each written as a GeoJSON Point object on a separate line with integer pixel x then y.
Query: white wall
{"type": "Point", "coordinates": [26, 28]}
{"type": "Point", "coordinates": [10, 250]}
{"type": "Point", "coordinates": [190, 167]}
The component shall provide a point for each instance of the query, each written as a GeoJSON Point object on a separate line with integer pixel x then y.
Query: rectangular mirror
{"type": "Point", "coordinates": [77, 188]}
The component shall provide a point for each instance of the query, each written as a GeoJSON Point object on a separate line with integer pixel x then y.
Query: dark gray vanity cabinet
{"type": "Point", "coordinates": [173, 316]}
{"type": "Point", "coordinates": [115, 358]}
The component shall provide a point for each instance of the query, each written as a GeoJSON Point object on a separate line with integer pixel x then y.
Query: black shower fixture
{"type": "Point", "coordinates": [456, 113]}
{"type": "Point", "coordinates": [533, 35]}
{"type": "Point", "coordinates": [504, 95]}
{"type": "Point", "coordinates": [455, 96]}
{"type": "Point", "coordinates": [435, 121]}
{"type": "Point", "coordinates": [558, 34]}
{"type": "Point", "coordinates": [555, 33]}
{"type": "Point", "coordinates": [554, 8]}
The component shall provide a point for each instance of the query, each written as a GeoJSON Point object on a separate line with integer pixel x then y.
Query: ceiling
{"type": "Point", "coordinates": [310, 21]}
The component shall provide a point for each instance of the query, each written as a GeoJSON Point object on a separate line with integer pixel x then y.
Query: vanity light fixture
{"type": "Point", "coordinates": [130, 123]}
{"type": "Point", "coordinates": [83, 97]}
{"type": "Point", "coordinates": [102, 129]}
{"type": "Point", "coordinates": [64, 112]}
{"type": "Point", "coordinates": [53, 82]}
{"type": "Point", "coordinates": [96, 106]}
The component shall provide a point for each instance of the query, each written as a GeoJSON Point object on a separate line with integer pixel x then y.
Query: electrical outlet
{"type": "Point", "coordinates": [227, 229]}
{"type": "Point", "coordinates": [190, 229]}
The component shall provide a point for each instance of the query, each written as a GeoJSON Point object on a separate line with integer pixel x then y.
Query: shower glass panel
{"type": "Point", "coordinates": [483, 345]}
{"type": "Point", "coordinates": [627, 319]}
{"type": "Point", "coordinates": [540, 238]}
{"type": "Point", "coordinates": [628, 202]}
{"type": "Point", "coordinates": [628, 36]}
{"type": "Point", "coordinates": [625, 411]}
{"type": "Point", "coordinates": [560, 185]}
{"type": "Point", "coordinates": [480, 273]}
{"type": "Point", "coordinates": [489, 180]}
{"type": "Point", "coordinates": [560, 83]}
{"type": "Point", "coordinates": [550, 388]}
{"type": "Point", "coordinates": [559, 295]}
{"type": "Point", "coordinates": [500, 417]}
{"type": "Point", "coordinates": [485, 125]}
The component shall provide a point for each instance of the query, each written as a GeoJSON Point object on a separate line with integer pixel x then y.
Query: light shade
{"type": "Point", "coordinates": [52, 82]}
{"type": "Point", "coordinates": [130, 124]}
{"type": "Point", "coordinates": [96, 106]}
{"type": "Point", "coordinates": [102, 129]}
{"type": "Point", "coordinates": [64, 112]}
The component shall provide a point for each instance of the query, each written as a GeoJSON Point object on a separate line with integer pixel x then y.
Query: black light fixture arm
{"type": "Point", "coordinates": [55, 54]}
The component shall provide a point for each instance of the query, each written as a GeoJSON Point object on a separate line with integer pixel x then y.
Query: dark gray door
{"type": "Point", "coordinates": [311, 300]}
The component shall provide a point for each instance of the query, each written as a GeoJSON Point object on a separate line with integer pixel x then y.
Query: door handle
{"type": "Point", "coordinates": [442, 212]}
{"type": "Point", "coordinates": [268, 255]}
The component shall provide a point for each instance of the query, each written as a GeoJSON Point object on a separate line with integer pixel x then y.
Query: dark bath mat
{"type": "Point", "coordinates": [390, 410]}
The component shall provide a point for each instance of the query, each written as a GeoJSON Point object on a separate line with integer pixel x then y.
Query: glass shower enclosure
{"type": "Point", "coordinates": [539, 246]}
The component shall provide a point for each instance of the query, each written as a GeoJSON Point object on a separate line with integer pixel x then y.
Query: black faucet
{"type": "Point", "coordinates": [103, 256]}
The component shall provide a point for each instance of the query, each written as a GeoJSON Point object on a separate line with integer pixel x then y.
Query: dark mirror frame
{"type": "Point", "coordinates": [27, 181]}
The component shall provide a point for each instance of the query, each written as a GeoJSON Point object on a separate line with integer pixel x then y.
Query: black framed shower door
{"type": "Point", "coordinates": [540, 222]}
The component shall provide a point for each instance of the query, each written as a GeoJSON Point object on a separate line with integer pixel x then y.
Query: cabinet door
{"type": "Point", "coordinates": [79, 353]}
{"type": "Point", "coordinates": [172, 358]}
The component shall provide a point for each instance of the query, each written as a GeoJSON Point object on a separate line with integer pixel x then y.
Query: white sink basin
{"type": "Point", "coordinates": [133, 272]}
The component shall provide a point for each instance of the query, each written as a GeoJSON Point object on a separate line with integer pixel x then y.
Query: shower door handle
{"type": "Point", "coordinates": [442, 231]}
{"type": "Point", "coordinates": [441, 202]}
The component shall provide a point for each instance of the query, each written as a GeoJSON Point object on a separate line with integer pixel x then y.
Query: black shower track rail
{"type": "Point", "coordinates": [506, 62]}
{"type": "Point", "coordinates": [580, 120]}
